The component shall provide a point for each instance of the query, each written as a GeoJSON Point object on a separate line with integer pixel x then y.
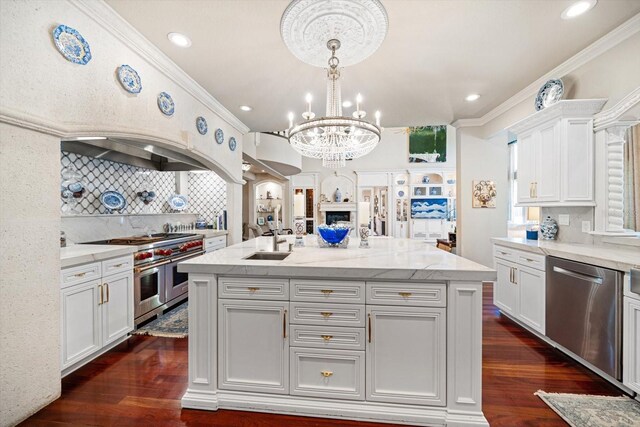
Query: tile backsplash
{"type": "Point", "coordinates": [571, 233]}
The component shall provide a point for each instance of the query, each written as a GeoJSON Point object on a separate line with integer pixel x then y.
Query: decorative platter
{"type": "Point", "coordinates": [550, 93]}
{"type": "Point", "coordinates": [129, 79]}
{"type": "Point", "coordinates": [178, 202]}
{"type": "Point", "coordinates": [400, 193]}
{"type": "Point", "coordinates": [166, 104]}
{"type": "Point", "coordinates": [72, 45]}
{"type": "Point", "coordinates": [219, 136]}
{"type": "Point", "coordinates": [201, 125]}
{"type": "Point", "coordinates": [113, 200]}
{"type": "Point", "coordinates": [232, 144]}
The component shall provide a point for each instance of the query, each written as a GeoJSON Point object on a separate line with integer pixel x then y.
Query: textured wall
{"type": "Point", "coordinates": [29, 272]}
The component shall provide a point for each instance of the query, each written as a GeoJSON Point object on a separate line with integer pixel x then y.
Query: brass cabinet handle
{"type": "Point", "coordinates": [118, 265]}
{"type": "Point", "coordinates": [327, 291]}
{"type": "Point", "coordinates": [252, 290]}
{"type": "Point", "coordinates": [515, 276]}
{"type": "Point", "coordinates": [535, 190]}
{"type": "Point", "coordinates": [326, 314]}
{"type": "Point", "coordinates": [326, 337]}
{"type": "Point", "coordinates": [530, 260]}
{"type": "Point", "coordinates": [531, 190]}
{"type": "Point", "coordinates": [510, 274]}
{"type": "Point", "coordinates": [369, 315]}
{"type": "Point", "coordinates": [284, 325]}
{"type": "Point", "coordinates": [404, 294]}
{"type": "Point", "coordinates": [106, 286]}
{"type": "Point", "coordinates": [326, 374]}
{"type": "Point", "coordinates": [80, 274]}
{"type": "Point", "coordinates": [101, 297]}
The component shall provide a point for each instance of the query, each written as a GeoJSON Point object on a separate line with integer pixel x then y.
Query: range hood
{"type": "Point", "coordinates": [134, 153]}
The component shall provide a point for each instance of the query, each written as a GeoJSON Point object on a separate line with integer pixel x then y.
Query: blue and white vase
{"type": "Point", "coordinates": [549, 228]}
{"type": "Point", "coordinates": [338, 196]}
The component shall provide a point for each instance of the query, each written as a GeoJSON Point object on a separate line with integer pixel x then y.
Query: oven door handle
{"type": "Point", "coordinates": [191, 255]}
{"type": "Point", "coordinates": [150, 266]}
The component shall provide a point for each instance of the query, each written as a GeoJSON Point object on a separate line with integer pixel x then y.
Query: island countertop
{"type": "Point", "coordinates": [386, 259]}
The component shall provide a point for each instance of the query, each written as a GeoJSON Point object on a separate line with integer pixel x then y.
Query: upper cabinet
{"type": "Point", "coordinates": [556, 154]}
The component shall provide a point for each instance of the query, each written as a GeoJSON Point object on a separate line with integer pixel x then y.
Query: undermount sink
{"type": "Point", "coordinates": [268, 256]}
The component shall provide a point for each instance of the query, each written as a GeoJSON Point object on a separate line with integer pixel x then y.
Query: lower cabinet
{"type": "Point", "coordinates": [505, 295]}
{"type": "Point", "coordinates": [117, 309]}
{"type": "Point", "coordinates": [253, 345]}
{"type": "Point", "coordinates": [406, 355]}
{"type": "Point", "coordinates": [631, 344]}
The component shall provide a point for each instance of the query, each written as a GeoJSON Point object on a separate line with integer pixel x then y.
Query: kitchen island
{"type": "Point", "coordinates": [392, 333]}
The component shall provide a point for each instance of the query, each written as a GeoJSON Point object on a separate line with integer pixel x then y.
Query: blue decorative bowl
{"type": "Point", "coordinates": [333, 234]}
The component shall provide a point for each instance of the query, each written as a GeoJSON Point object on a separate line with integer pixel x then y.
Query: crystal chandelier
{"type": "Point", "coordinates": [334, 138]}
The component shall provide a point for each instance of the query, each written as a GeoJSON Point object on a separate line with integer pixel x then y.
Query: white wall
{"type": "Point", "coordinates": [55, 98]}
{"type": "Point", "coordinates": [481, 159]}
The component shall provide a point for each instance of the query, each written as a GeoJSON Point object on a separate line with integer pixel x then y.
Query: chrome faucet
{"type": "Point", "coordinates": [275, 241]}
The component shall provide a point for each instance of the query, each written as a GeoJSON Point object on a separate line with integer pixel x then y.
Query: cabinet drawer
{"type": "Point", "coordinates": [334, 374]}
{"type": "Point", "coordinates": [327, 314]}
{"type": "Point", "coordinates": [407, 294]}
{"type": "Point", "coordinates": [78, 274]}
{"type": "Point", "coordinates": [215, 243]}
{"type": "Point", "coordinates": [504, 253]}
{"type": "Point", "coordinates": [327, 291]}
{"type": "Point", "coordinates": [117, 265]}
{"type": "Point", "coordinates": [258, 288]}
{"type": "Point", "coordinates": [344, 338]}
{"type": "Point", "coordinates": [531, 260]}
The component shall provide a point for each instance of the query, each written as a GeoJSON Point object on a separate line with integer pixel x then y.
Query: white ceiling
{"type": "Point", "coordinates": [435, 53]}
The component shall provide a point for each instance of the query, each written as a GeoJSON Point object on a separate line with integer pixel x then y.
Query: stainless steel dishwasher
{"type": "Point", "coordinates": [584, 312]}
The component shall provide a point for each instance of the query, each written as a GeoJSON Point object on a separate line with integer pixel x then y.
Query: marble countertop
{"type": "Point", "coordinates": [83, 254]}
{"type": "Point", "coordinates": [210, 233]}
{"type": "Point", "coordinates": [386, 259]}
{"type": "Point", "coordinates": [608, 256]}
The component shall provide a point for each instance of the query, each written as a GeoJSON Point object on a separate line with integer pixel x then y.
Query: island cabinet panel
{"type": "Point", "coordinates": [80, 322]}
{"type": "Point", "coordinates": [407, 294]}
{"type": "Point", "coordinates": [327, 291]}
{"type": "Point", "coordinates": [253, 346]}
{"type": "Point", "coordinates": [406, 355]}
{"type": "Point", "coordinates": [253, 288]}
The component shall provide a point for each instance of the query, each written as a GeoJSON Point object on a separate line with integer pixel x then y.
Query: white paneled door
{"type": "Point", "coordinates": [80, 321]}
{"type": "Point", "coordinates": [117, 310]}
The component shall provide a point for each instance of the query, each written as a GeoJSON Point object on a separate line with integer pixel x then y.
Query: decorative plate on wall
{"type": "Point", "coordinates": [201, 125]}
{"type": "Point", "coordinates": [550, 93]}
{"type": "Point", "coordinates": [166, 104]}
{"type": "Point", "coordinates": [129, 79]}
{"type": "Point", "coordinates": [219, 136]}
{"type": "Point", "coordinates": [113, 200]}
{"type": "Point", "coordinates": [178, 202]}
{"type": "Point", "coordinates": [72, 45]}
{"type": "Point", "coordinates": [232, 144]}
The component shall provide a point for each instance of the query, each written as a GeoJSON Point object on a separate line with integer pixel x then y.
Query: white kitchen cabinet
{"type": "Point", "coordinates": [631, 344]}
{"type": "Point", "coordinates": [406, 355]}
{"type": "Point", "coordinates": [556, 155]}
{"type": "Point", "coordinates": [214, 243]}
{"type": "Point", "coordinates": [253, 345]}
{"type": "Point", "coordinates": [520, 287]}
{"type": "Point", "coordinates": [81, 331]}
{"type": "Point", "coordinates": [117, 309]}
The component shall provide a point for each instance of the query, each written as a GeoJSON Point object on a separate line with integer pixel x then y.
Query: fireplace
{"type": "Point", "coordinates": [334, 216]}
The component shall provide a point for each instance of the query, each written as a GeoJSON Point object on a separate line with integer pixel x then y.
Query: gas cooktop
{"type": "Point", "coordinates": [142, 240]}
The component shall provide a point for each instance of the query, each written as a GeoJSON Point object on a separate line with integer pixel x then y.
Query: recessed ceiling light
{"type": "Point", "coordinates": [472, 97]}
{"type": "Point", "coordinates": [578, 8]}
{"type": "Point", "coordinates": [179, 39]}
{"type": "Point", "coordinates": [87, 138]}
{"type": "Point", "coordinates": [347, 104]}
{"type": "Point", "coordinates": [245, 108]}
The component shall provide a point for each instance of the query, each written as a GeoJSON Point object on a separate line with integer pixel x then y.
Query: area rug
{"type": "Point", "coordinates": [173, 324]}
{"type": "Point", "coordinates": [584, 410]}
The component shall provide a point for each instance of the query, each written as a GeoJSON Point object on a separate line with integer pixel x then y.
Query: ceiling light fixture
{"type": "Point", "coordinates": [179, 39]}
{"type": "Point", "coordinates": [578, 8]}
{"type": "Point", "coordinates": [472, 97]}
{"type": "Point", "coordinates": [87, 138]}
{"type": "Point", "coordinates": [347, 104]}
{"type": "Point", "coordinates": [246, 166]}
{"type": "Point", "coordinates": [334, 138]}
{"type": "Point", "coordinates": [245, 108]}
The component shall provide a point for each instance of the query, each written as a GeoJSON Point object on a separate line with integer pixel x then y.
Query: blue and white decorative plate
{"type": "Point", "coordinates": [72, 45]}
{"type": "Point", "coordinates": [219, 136]}
{"type": "Point", "coordinates": [178, 202]}
{"type": "Point", "coordinates": [550, 93]}
{"type": "Point", "coordinates": [129, 79]}
{"type": "Point", "coordinates": [201, 124]}
{"type": "Point", "coordinates": [166, 104]}
{"type": "Point", "coordinates": [232, 144]}
{"type": "Point", "coordinates": [113, 200]}
{"type": "Point", "coordinates": [400, 193]}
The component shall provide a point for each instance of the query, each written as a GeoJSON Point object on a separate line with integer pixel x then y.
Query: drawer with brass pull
{"type": "Point", "coordinates": [528, 259]}
{"type": "Point", "coordinates": [407, 294]}
{"type": "Point", "coordinates": [304, 313]}
{"type": "Point", "coordinates": [249, 288]}
{"type": "Point", "coordinates": [339, 291]}
{"type": "Point", "coordinates": [504, 252]}
{"type": "Point", "coordinates": [78, 274]}
{"type": "Point", "coordinates": [340, 337]}
{"type": "Point", "coordinates": [117, 265]}
{"type": "Point", "coordinates": [335, 374]}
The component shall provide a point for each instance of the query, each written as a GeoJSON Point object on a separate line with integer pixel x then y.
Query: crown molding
{"type": "Point", "coordinates": [611, 116]}
{"type": "Point", "coordinates": [572, 108]}
{"type": "Point", "coordinates": [107, 18]}
{"type": "Point", "coordinates": [606, 42]}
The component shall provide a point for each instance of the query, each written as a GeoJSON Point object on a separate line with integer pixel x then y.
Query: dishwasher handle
{"type": "Point", "coordinates": [581, 276]}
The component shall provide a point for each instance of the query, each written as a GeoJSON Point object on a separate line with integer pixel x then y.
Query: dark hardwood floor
{"type": "Point", "coordinates": [140, 383]}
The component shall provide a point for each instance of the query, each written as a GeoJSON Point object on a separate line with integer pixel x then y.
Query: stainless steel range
{"type": "Point", "coordinates": [157, 283]}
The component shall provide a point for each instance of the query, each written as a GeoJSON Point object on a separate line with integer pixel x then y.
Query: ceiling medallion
{"type": "Point", "coordinates": [307, 25]}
